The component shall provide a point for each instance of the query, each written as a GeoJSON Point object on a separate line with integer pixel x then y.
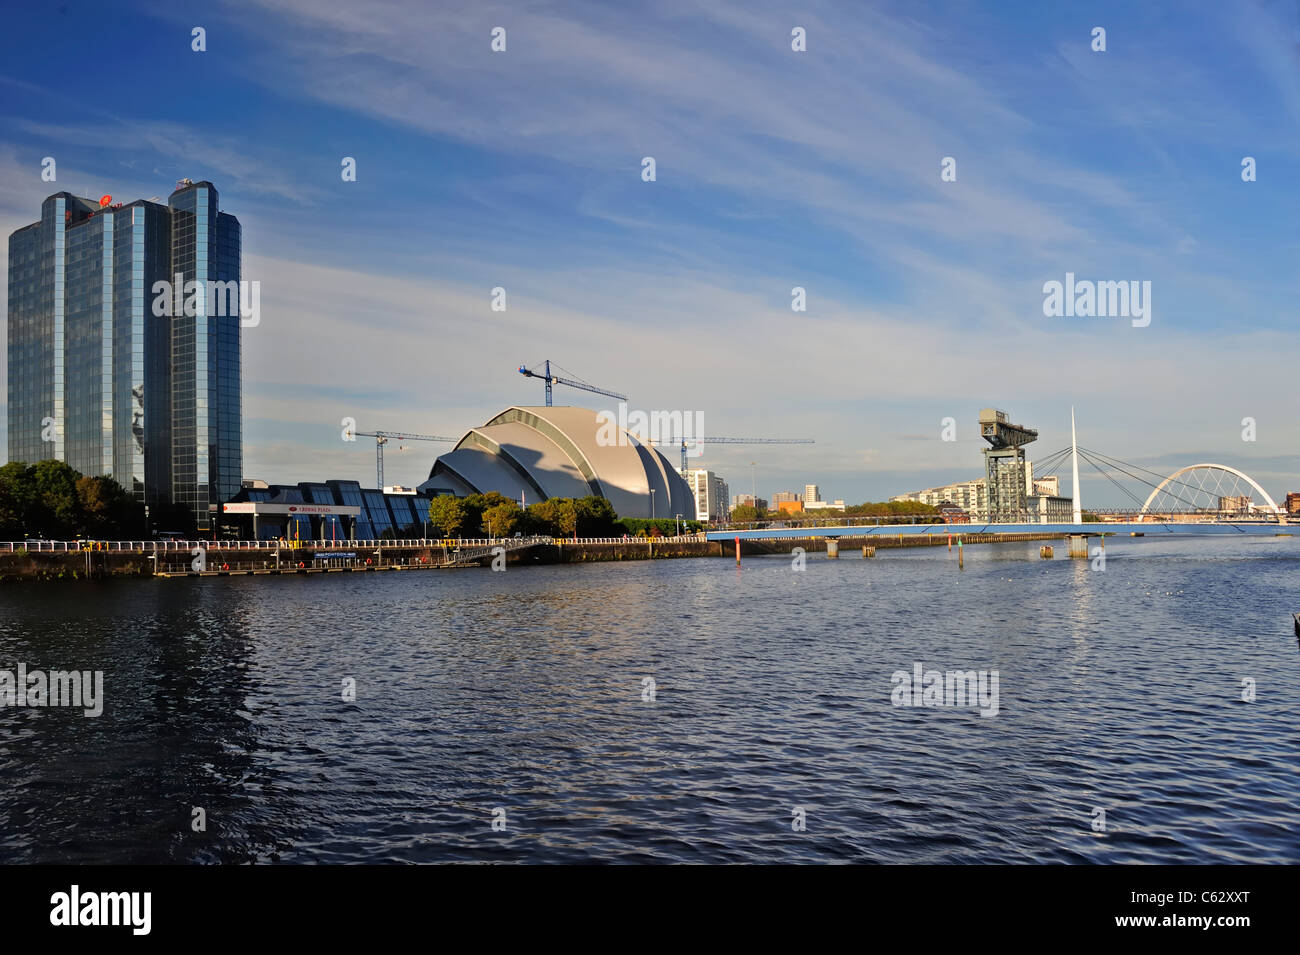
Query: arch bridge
{"type": "Point", "coordinates": [1215, 490]}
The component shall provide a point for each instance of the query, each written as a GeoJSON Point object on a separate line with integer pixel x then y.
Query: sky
{"type": "Point", "coordinates": [774, 169]}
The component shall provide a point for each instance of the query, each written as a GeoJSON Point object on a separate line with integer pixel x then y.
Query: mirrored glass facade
{"type": "Point", "coordinates": [99, 381]}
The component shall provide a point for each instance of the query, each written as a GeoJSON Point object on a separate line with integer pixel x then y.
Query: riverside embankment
{"type": "Point", "coordinates": [75, 560]}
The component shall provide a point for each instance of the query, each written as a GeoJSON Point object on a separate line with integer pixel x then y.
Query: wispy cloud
{"type": "Point", "coordinates": [249, 168]}
{"type": "Point", "coordinates": [775, 169]}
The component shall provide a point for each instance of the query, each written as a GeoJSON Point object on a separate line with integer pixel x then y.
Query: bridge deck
{"type": "Point", "coordinates": [1152, 529]}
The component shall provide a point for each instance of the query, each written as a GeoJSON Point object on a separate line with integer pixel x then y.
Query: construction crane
{"type": "Point", "coordinates": [687, 442]}
{"type": "Point", "coordinates": [382, 438]}
{"type": "Point", "coordinates": [572, 383]}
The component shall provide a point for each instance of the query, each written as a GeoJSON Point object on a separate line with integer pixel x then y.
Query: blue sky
{"type": "Point", "coordinates": [775, 169]}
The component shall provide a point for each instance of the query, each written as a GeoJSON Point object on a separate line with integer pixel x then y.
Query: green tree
{"type": "Point", "coordinates": [447, 515]}
{"type": "Point", "coordinates": [477, 504]}
{"type": "Point", "coordinates": [50, 499]}
{"type": "Point", "coordinates": [555, 516]}
{"type": "Point", "coordinates": [107, 510]}
{"type": "Point", "coordinates": [16, 499]}
{"type": "Point", "coordinates": [659, 527]}
{"type": "Point", "coordinates": [57, 508]}
{"type": "Point", "coordinates": [595, 516]}
{"type": "Point", "coordinates": [500, 520]}
{"type": "Point", "coordinates": [744, 513]}
{"type": "Point", "coordinates": [566, 521]}
{"type": "Point", "coordinates": [888, 509]}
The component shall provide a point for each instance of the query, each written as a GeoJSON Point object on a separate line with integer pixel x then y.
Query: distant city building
{"type": "Point", "coordinates": [780, 496]}
{"type": "Point", "coordinates": [711, 494]}
{"type": "Point", "coordinates": [1293, 503]}
{"type": "Point", "coordinates": [748, 500]}
{"type": "Point", "coordinates": [823, 505]}
{"type": "Point", "coordinates": [1050, 486]}
{"type": "Point", "coordinates": [952, 514]}
{"type": "Point", "coordinates": [100, 381]}
{"type": "Point", "coordinates": [1234, 505]}
{"type": "Point", "coordinates": [811, 494]}
{"type": "Point", "coordinates": [1049, 509]}
{"type": "Point", "coordinates": [789, 507]}
{"type": "Point", "coordinates": [722, 494]}
{"type": "Point", "coordinates": [970, 496]}
{"type": "Point", "coordinates": [1006, 470]}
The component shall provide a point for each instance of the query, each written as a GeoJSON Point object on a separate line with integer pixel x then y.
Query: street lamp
{"type": "Point", "coordinates": [652, 504]}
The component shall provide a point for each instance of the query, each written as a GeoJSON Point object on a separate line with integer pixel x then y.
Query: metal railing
{"type": "Point", "coordinates": [1027, 517]}
{"type": "Point", "coordinates": [178, 546]}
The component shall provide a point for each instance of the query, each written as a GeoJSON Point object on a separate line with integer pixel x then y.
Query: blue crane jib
{"type": "Point", "coordinates": [571, 382]}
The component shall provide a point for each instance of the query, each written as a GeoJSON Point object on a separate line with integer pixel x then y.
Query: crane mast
{"type": "Point", "coordinates": [383, 437]}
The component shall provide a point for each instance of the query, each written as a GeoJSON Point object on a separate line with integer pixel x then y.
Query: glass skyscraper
{"type": "Point", "coordinates": [100, 381]}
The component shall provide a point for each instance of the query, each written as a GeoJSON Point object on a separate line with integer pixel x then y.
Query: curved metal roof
{"type": "Point", "coordinates": [562, 452]}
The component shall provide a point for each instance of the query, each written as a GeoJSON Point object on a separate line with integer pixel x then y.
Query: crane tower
{"type": "Point", "coordinates": [1005, 472]}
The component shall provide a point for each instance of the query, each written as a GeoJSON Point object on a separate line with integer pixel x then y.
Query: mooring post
{"type": "Point", "coordinates": [832, 549]}
{"type": "Point", "coordinates": [961, 559]}
{"type": "Point", "coordinates": [1079, 546]}
{"type": "Point", "coordinates": [737, 550]}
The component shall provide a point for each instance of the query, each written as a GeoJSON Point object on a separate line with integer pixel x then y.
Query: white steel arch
{"type": "Point", "coordinates": [1272, 505]}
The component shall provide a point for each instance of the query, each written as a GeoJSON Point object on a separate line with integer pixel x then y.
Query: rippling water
{"type": "Point", "coordinates": [523, 691]}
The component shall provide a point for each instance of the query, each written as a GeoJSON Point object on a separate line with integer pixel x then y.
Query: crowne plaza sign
{"type": "Point", "coordinates": [264, 507]}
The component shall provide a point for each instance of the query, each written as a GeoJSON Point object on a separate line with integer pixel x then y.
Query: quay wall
{"type": "Point", "coordinates": [219, 561]}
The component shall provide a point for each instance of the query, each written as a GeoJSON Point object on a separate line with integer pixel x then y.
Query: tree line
{"type": "Point", "coordinates": [50, 500]}
{"type": "Point", "coordinates": [495, 515]}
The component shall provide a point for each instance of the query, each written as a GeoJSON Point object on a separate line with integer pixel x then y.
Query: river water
{"type": "Point", "coordinates": [769, 733]}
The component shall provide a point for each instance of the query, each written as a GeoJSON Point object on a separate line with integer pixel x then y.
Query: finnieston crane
{"type": "Point", "coordinates": [572, 383]}
{"type": "Point", "coordinates": [685, 443]}
{"type": "Point", "coordinates": [382, 438]}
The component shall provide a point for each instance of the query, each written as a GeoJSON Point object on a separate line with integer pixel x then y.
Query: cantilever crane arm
{"type": "Point", "coordinates": [585, 387]}
{"type": "Point", "coordinates": [550, 379]}
{"type": "Point", "coordinates": [382, 438]}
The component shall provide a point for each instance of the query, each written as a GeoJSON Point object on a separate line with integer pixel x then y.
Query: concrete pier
{"type": "Point", "coordinates": [832, 549]}
{"type": "Point", "coordinates": [1079, 546]}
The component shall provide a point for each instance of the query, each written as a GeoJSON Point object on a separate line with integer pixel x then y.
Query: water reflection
{"type": "Point", "coordinates": [523, 691]}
